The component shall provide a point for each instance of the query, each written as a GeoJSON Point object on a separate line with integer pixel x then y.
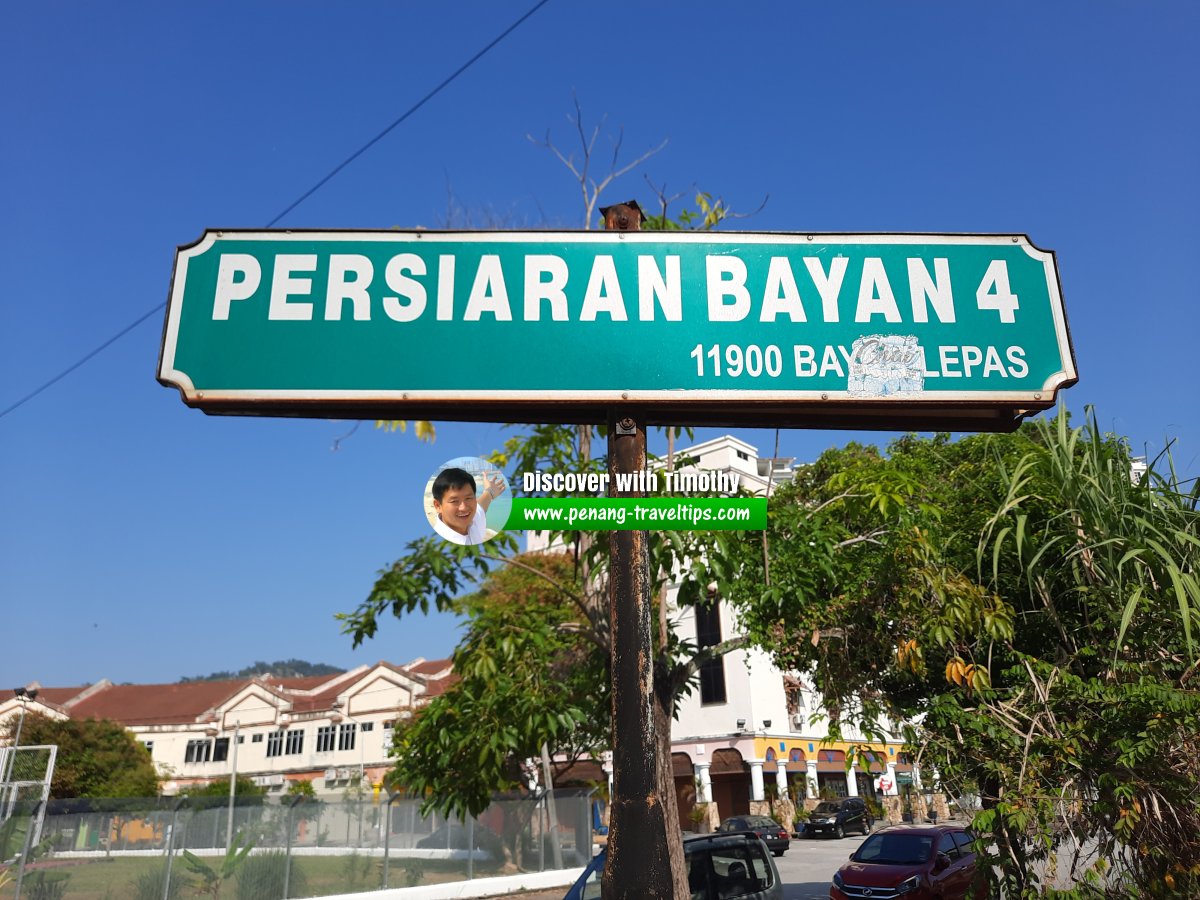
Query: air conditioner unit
{"type": "Point", "coordinates": [798, 720]}
{"type": "Point", "coordinates": [343, 774]}
{"type": "Point", "coordinates": [275, 780]}
{"type": "Point", "coordinates": [331, 775]}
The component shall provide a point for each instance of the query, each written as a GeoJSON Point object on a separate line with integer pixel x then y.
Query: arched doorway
{"type": "Point", "coordinates": [730, 783]}
{"type": "Point", "coordinates": [797, 775]}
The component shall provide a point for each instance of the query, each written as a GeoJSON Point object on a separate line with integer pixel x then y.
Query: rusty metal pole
{"type": "Point", "coordinates": [639, 865]}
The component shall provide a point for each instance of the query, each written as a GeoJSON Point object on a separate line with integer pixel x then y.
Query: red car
{"type": "Point", "coordinates": [912, 862]}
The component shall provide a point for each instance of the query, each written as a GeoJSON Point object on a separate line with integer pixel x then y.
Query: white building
{"type": "Point", "coordinates": [331, 730]}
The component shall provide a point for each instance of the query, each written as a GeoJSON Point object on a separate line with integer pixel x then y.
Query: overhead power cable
{"type": "Point", "coordinates": [312, 190]}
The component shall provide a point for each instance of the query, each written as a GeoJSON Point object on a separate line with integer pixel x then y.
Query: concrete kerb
{"type": "Point", "coordinates": [479, 887]}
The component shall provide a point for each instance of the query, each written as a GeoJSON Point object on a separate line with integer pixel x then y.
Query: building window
{"type": "Point", "coordinates": [387, 724]}
{"type": "Point", "coordinates": [295, 742]}
{"type": "Point", "coordinates": [708, 634]}
{"type": "Point", "coordinates": [832, 784]}
{"type": "Point", "coordinates": [198, 751]}
{"type": "Point", "coordinates": [712, 682]}
{"type": "Point", "coordinates": [149, 745]}
{"type": "Point", "coordinates": [346, 736]}
{"type": "Point", "coordinates": [220, 750]}
{"type": "Point", "coordinates": [275, 743]}
{"type": "Point", "coordinates": [256, 739]}
{"type": "Point", "coordinates": [325, 738]}
{"type": "Point", "coordinates": [368, 726]}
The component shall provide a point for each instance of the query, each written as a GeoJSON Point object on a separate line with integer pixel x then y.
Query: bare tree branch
{"type": "Point", "coordinates": [337, 442]}
{"type": "Point", "coordinates": [567, 592]}
{"type": "Point", "coordinates": [862, 538]}
{"type": "Point", "coordinates": [684, 671]}
{"type": "Point", "coordinates": [661, 193]}
{"type": "Point", "coordinates": [589, 187]}
{"type": "Point", "coordinates": [736, 215]}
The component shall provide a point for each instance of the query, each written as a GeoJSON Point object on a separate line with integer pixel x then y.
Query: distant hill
{"type": "Point", "coordinates": [284, 668]}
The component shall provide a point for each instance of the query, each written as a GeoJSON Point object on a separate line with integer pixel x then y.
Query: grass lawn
{"type": "Point", "coordinates": [311, 876]}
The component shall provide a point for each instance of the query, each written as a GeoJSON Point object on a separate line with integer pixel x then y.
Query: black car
{"type": "Point", "coordinates": [774, 835]}
{"type": "Point", "coordinates": [720, 867]}
{"type": "Point", "coordinates": [458, 836]}
{"type": "Point", "coordinates": [836, 817]}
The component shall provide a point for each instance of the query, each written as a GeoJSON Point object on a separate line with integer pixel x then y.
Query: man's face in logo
{"type": "Point", "coordinates": [457, 508]}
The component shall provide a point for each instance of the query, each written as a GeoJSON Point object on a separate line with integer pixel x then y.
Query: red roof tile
{"type": "Point", "coordinates": [314, 702]}
{"type": "Point", "coordinates": [58, 696]}
{"type": "Point", "coordinates": [187, 702]}
{"type": "Point", "coordinates": [429, 666]}
{"type": "Point", "coordinates": [439, 686]}
{"type": "Point", "coordinates": [305, 682]}
{"type": "Point", "coordinates": [152, 704]}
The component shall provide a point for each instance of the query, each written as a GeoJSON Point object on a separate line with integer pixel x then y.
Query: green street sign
{"type": "Point", "coordinates": [966, 332]}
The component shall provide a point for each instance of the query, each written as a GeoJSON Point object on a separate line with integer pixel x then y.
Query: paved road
{"type": "Point", "coordinates": [808, 866]}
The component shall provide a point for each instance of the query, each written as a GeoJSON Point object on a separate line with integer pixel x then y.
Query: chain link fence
{"type": "Point", "coordinates": [25, 775]}
{"type": "Point", "coordinates": [287, 847]}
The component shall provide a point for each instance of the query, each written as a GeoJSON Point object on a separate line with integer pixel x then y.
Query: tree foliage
{"type": "Point", "coordinates": [96, 757]}
{"type": "Point", "coordinates": [218, 789]}
{"type": "Point", "coordinates": [283, 668]}
{"type": "Point", "coordinates": [1033, 608]}
{"type": "Point", "coordinates": [525, 677]}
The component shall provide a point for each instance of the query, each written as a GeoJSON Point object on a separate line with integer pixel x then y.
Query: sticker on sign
{"type": "Point", "coordinates": [887, 331]}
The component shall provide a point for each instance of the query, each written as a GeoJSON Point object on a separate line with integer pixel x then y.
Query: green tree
{"type": "Point", "coordinates": [301, 788]}
{"type": "Point", "coordinates": [96, 757]}
{"type": "Point", "coordinates": [525, 677]}
{"type": "Point", "coordinates": [283, 668]}
{"type": "Point", "coordinates": [435, 574]}
{"type": "Point", "coordinates": [1086, 724]}
{"type": "Point", "coordinates": [1034, 607]}
{"type": "Point", "coordinates": [247, 793]}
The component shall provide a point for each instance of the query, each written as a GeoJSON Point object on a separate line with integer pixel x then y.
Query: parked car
{"type": "Point", "coordinates": [774, 835]}
{"type": "Point", "coordinates": [721, 866]}
{"type": "Point", "coordinates": [458, 836]}
{"type": "Point", "coordinates": [836, 817]}
{"type": "Point", "coordinates": [910, 861]}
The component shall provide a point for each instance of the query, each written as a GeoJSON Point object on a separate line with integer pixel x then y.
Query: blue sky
{"type": "Point", "coordinates": [143, 541]}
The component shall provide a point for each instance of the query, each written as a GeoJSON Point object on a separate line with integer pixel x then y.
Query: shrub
{"type": "Point", "coordinates": [355, 869]}
{"type": "Point", "coordinates": [45, 886]}
{"type": "Point", "coordinates": [261, 877]}
{"type": "Point", "coordinates": [414, 872]}
{"type": "Point", "coordinates": [149, 885]}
